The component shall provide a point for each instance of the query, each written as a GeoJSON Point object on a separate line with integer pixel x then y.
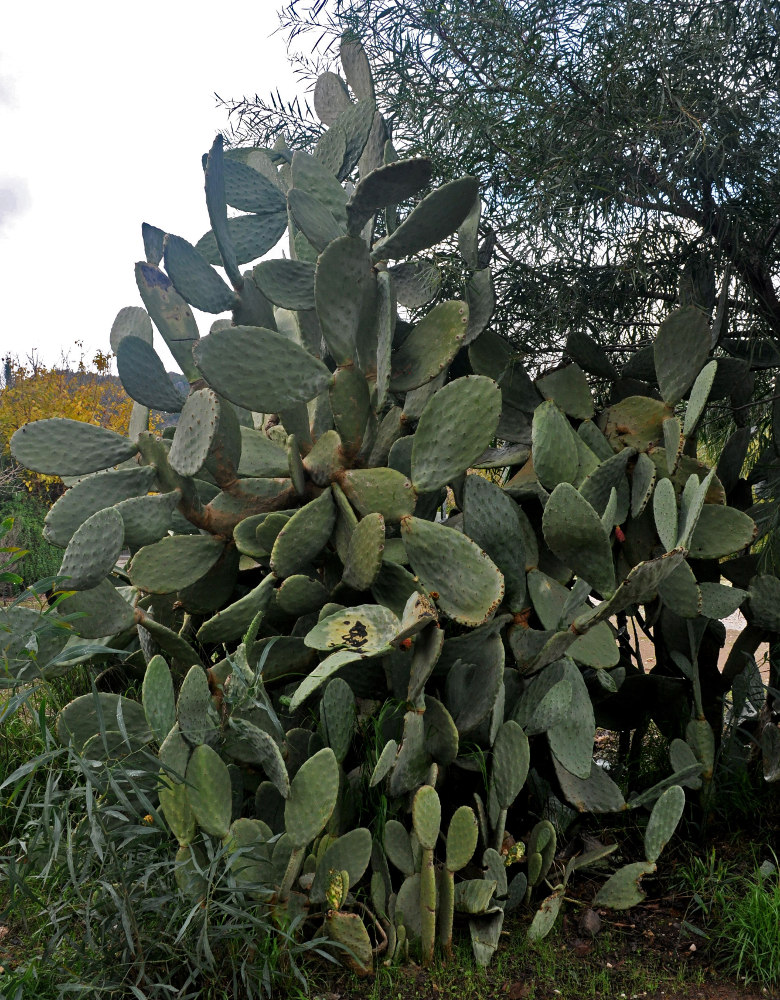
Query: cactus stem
{"type": "Point", "coordinates": [499, 831]}
{"type": "Point", "coordinates": [291, 873]}
{"type": "Point", "coordinates": [446, 910]}
{"type": "Point", "coordinates": [427, 905]}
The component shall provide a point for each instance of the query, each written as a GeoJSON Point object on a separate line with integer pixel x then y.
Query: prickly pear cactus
{"type": "Point", "coordinates": [298, 570]}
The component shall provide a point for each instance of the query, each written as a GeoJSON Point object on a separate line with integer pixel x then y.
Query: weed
{"type": "Point", "coordinates": [93, 888]}
{"type": "Point", "coordinates": [748, 936]}
{"type": "Point", "coordinates": [41, 559]}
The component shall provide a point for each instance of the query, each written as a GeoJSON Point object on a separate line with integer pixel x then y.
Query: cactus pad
{"type": "Point", "coordinates": [456, 426]}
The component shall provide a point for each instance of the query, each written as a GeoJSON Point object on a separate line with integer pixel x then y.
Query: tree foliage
{"type": "Point", "coordinates": [627, 151]}
{"type": "Point", "coordinates": [82, 391]}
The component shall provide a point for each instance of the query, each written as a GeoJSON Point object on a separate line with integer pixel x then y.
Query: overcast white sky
{"type": "Point", "coordinates": [105, 110]}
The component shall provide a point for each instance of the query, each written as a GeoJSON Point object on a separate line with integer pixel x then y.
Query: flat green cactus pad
{"type": "Point", "coordinates": [635, 422]}
{"type": "Point", "coordinates": [249, 744]}
{"type": "Point", "coordinates": [364, 555]}
{"type": "Point", "coordinates": [331, 147]}
{"type": "Point", "coordinates": [61, 447]}
{"type": "Point", "coordinates": [429, 349]}
{"type": "Point", "coordinates": [554, 446]}
{"type": "Point", "coordinates": [596, 794]}
{"type": "Point", "coordinates": [289, 284]}
{"type": "Point", "coordinates": [91, 495]}
{"type": "Point", "coordinates": [699, 396]}
{"type": "Point", "coordinates": [461, 838]}
{"type": "Point", "coordinates": [456, 426]}
{"type": "Point", "coordinates": [304, 535]}
{"type": "Point", "coordinates": [663, 821]}
{"type": "Point", "coordinates": [93, 550]}
{"type": "Point", "coordinates": [314, 220]}
{"type": "Point", "coordinates": [765, 602]}
{"type": "Point", "coordinates": [568, 388]}
{"type": "Point", "coordinates": [473, 689]}
{"type": "Point", "coordinates": [511, 760]}
{"type": "Point", "coordinates": [481, 300]}
{"type": "Point", "coordinates": [415, 282]}
{"type": "Point", "coordinates": [610, 474]}
{"type": "Point", "coordinates": [381, 491]}
{"type": "Point", "coordinates": [309, 174]}
{"type": "Point", "coordinates": [174, 562]}
{"type": "Point", "coordinates": [153, 244]}
{"type": "Point", "coordinates": [719, 601]}
{"type": "Point", "coordinates": [93, 719]}
{"type": "Point", "coordinates": [331, 98]}
{"type": "Point", "coordinates": [195, 432]}
{"type": "Point", "coordinates": [147, 519]}
{"type": "Point", "coordinates": [571, 741]}
{"type": "Point", "coordinates": [350, 404]}
{"type": "Point", "coordinates": [252, 236]}
{"type": "Point", "coordinates": [622, 889]}
{"type": "Point", "coordinates": [273, 372]}
{"type": "Point", "coordinates": [574, 532]}
{"type": "Point", "coordinates": [456, 573]}
{"type": "Point", "coordinates": [349, 930]}
{"type": "Point", "coordinates": [217, 210]}
{"type": "Point", "coordinates": [398, 847]}
{"type": "Point", "coordinates": [194, 278]}
{"type": "Point", "coordinates": [344, 263]}
{"type": "Point", "coordinates": [640, 586]}
{"type": "Point", "coordinates": [232, 621]}
{"type": "Point", "coordinates": [642, 483]}
{"type": "Point", "coordinates": [442, 740]}
{"type": "Point", "coordinates": [157, 698]}
{"type": "Point", "coordinates": [390, 184]}
{"type": "Point", "coordinates": [194, 708]}
{"type": "Point", "coordinates": [680, 592]}
{"type": "Point", "coordinates": [248, 190]}
{"type": "Point", "coordinates": [17, 625]}
{"type": "Point", "coordinates": [351, 853]}
{"type": "Point", "coordinates": [589, 355]}
{"type": "Point", "coordinates": [436, 217]}
{"type": "Point", "coordinates": [473, 895]}
{"type": "Point", "coordinates": [720, 531]}
{"type": "Point", "coordinates": [208, 791]}
{"type": "Point", "coordinates": [102, 611]}
{"type": "Point", "coordinates": [356, 123]}
{"type": "Point", "coordinates": [312, 799]}
{"type": "Point", "coordinates": [175, 805]}
{"type": "Point", "coordinates": [132, 321]}
{"type": "Point", "coordinates": [384, 763]}
{"type": "Point", "coordinates": [171, 315]}
{"type": "Point", "coordinates": [338, 716]}
{"type": "Point", "coordinates": [681, 347]}
{"type": "Point", "coordinates": [144, 377]}
{"type": "Point", "coordinates": [490, 518]}
{"type": "Point", "coordinates": [665, 513]}
{"type": "Point", "coordinates": [545, 702]}
{"type": "Point", "coordinates": [426, 816]}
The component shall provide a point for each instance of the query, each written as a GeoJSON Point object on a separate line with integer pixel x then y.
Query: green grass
{"type": "Point", "coordinates": [42, 560]}
{"type": "Point", "coordinates": [541, 971]}
{"type": "Point", "coordinates": [748, 935]}
{"type": "Point", "coordinates": [90, 888]}
{"type": "Point", "coordinates": [735, 908]}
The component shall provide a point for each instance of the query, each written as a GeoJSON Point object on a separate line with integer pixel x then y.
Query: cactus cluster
{"type": "Point", "coordinates": [298, 570]}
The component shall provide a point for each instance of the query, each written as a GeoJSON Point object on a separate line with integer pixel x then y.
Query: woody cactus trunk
{"type": "Point", "coordinates": [345, 554]}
